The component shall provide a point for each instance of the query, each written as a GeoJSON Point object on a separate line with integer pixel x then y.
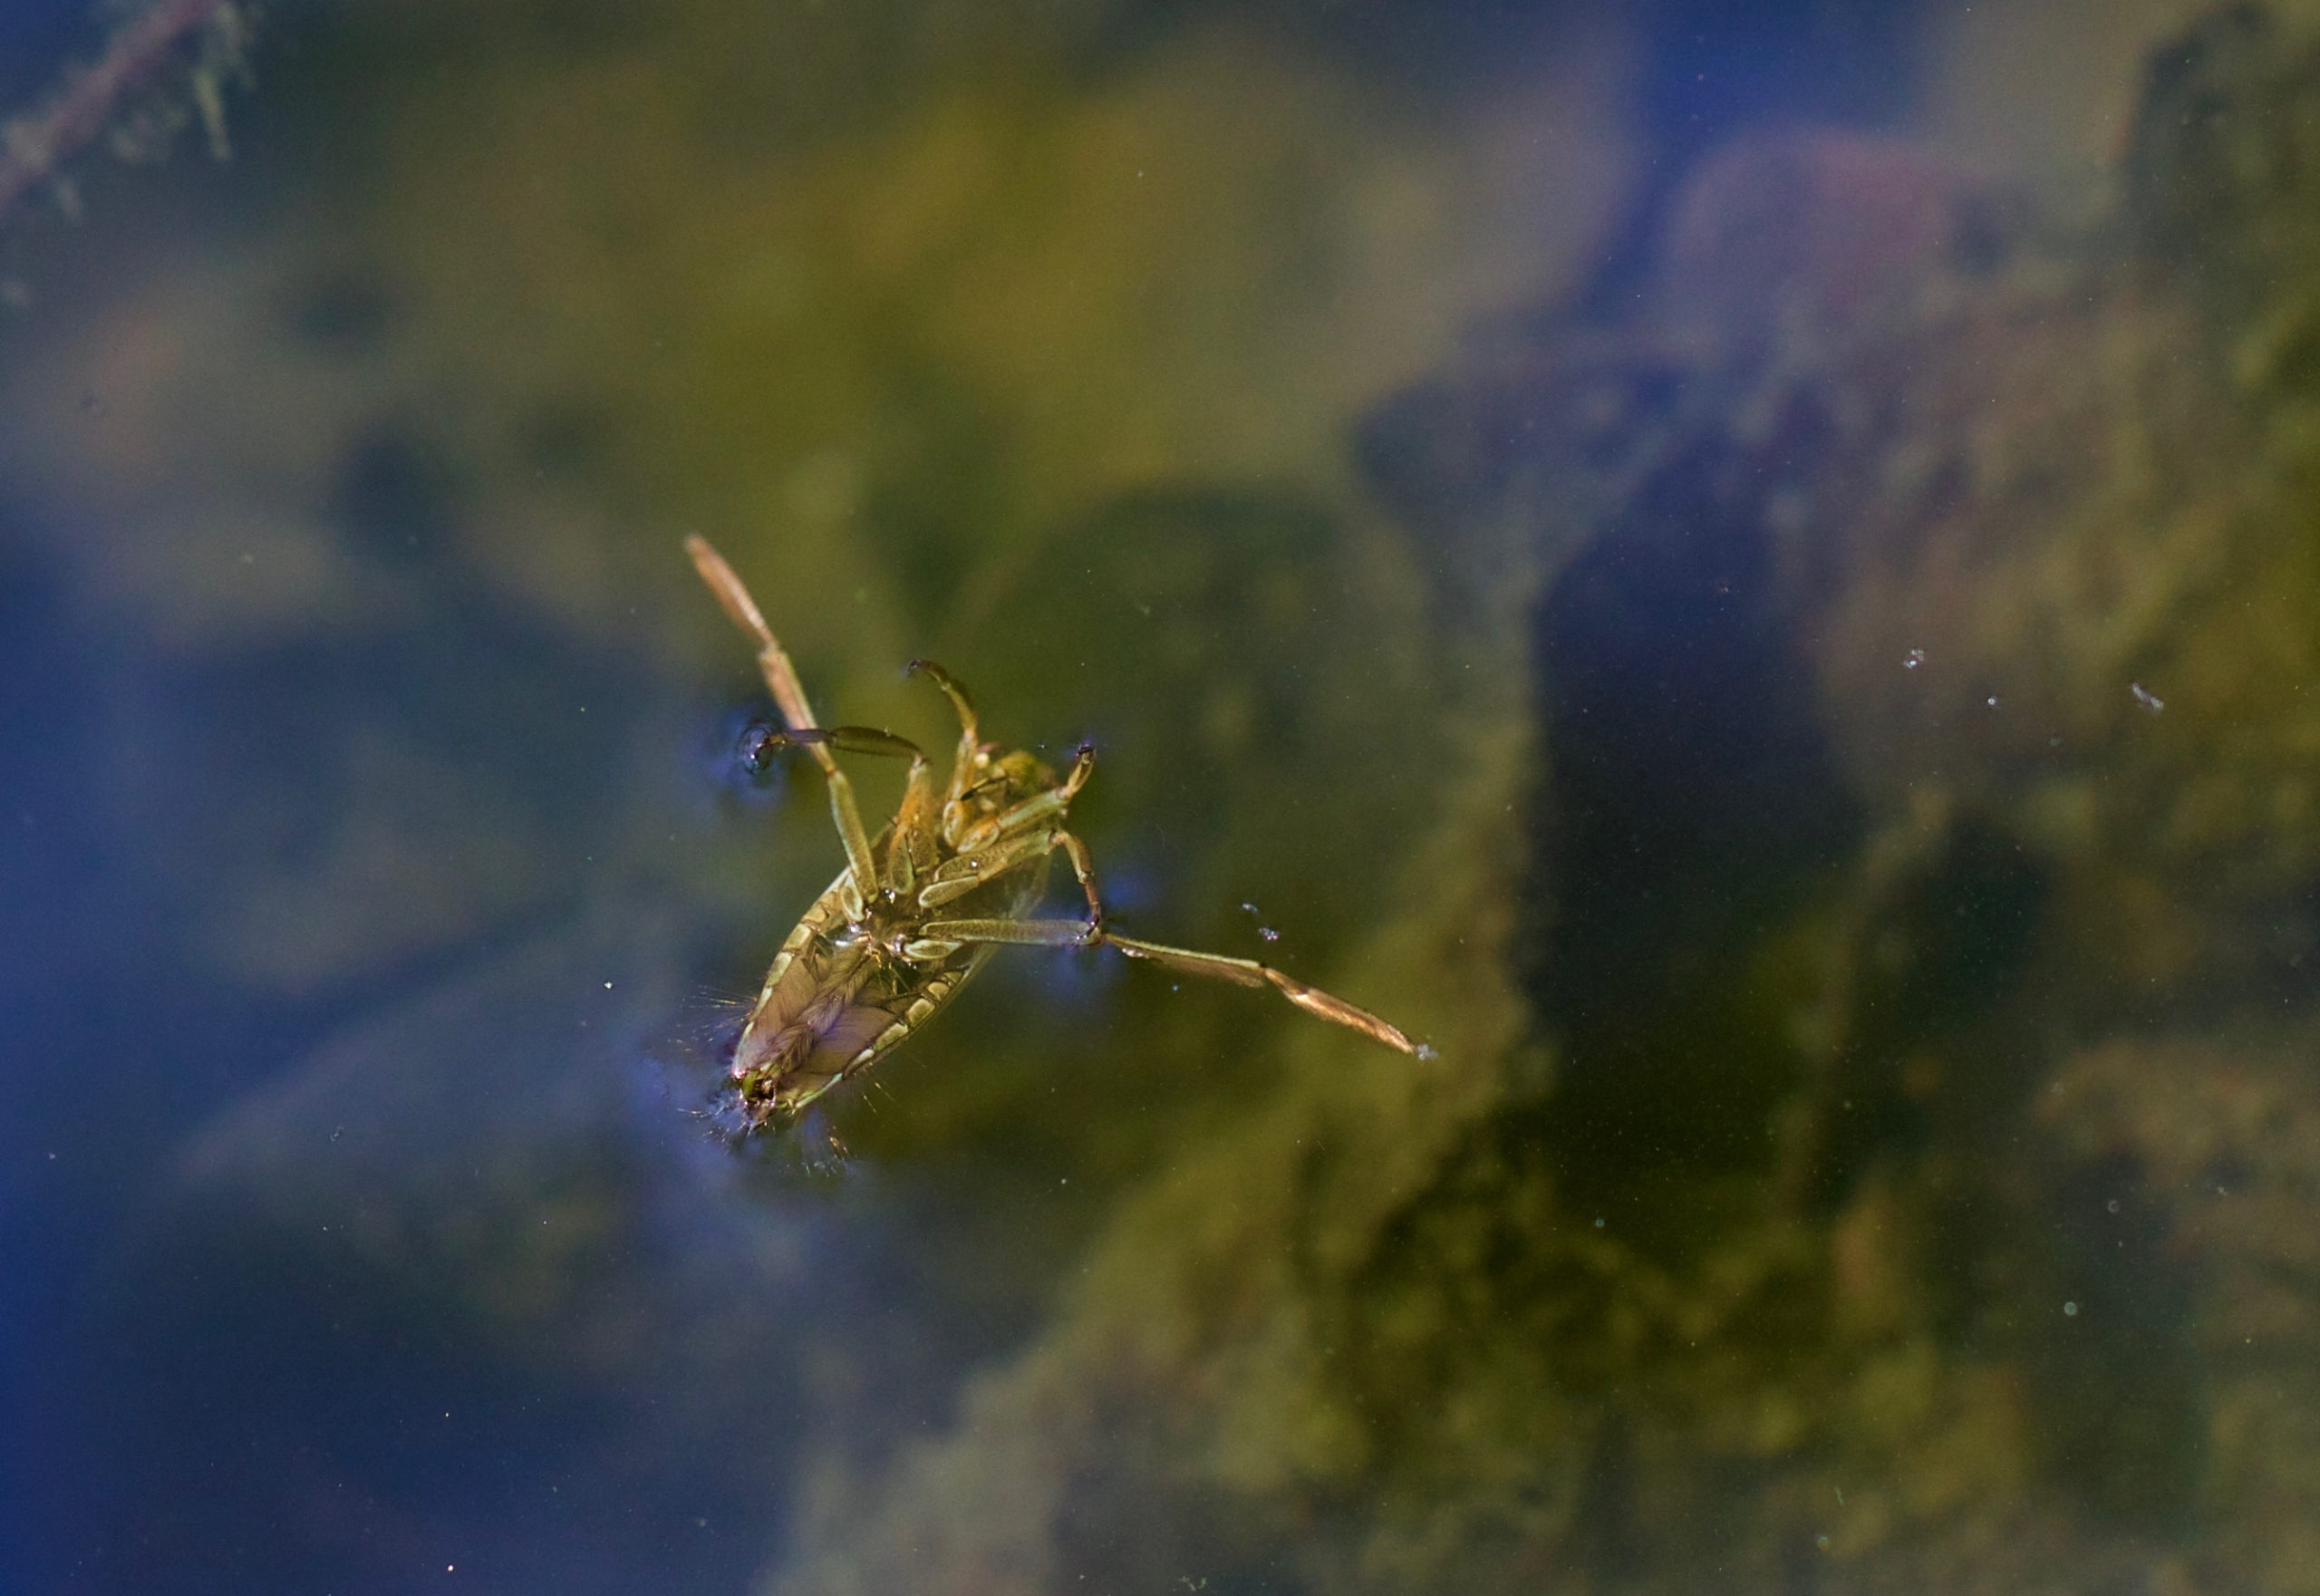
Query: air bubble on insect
{"type": "Point", "coordinates": [1913, 659]}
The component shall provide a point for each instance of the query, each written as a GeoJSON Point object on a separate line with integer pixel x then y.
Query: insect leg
{"type": "Point", "coordinates": [1029, 934]}
{"type": "Point", "coordinates": [1249, 973]}
{"type": "Point", "coordinates": [962, 874]}
{"type": "Point", "coordinates": [970, 739]}
{"type": "Point", "coordinates": [852, 740]}
{"type": "Point", "coordinates": [969, 763]}
{"type": "Point", "coordinates": [1185, 960]}
{"type": "Point", "coordinates": [1038, 809]}
{"type": "Point", "coordinates": [957, 876]}
{"type": "Point", "coordinates": [780, 676]}
{"type": "Point", "coordinates": [910, 847]}
{"type": "Point", "coordinates": [781, 680]}
{"type": "Point", "coordinates": [951, 690]}
{"type": "Point", "coordinates": [1083, 869]}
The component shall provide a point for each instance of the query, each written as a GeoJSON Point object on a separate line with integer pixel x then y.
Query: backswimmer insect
{"type": "Point", "coordinates": [919, 907]}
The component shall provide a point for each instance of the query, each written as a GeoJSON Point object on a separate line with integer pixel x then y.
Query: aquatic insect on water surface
{"type": "Point", "coordinates": [958, 872]}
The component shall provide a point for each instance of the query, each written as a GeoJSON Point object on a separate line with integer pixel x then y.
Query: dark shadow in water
{"type": "Point", "coordinates": [1691, 802]}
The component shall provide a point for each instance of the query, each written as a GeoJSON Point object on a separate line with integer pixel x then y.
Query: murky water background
{"type": "Point", "coordinates": [1750, 579]}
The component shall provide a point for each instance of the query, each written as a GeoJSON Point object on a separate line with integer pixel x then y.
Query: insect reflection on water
{"type": "Point", "coordinates": [918, 908]}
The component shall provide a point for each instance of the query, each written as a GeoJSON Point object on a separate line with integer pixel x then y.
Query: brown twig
{"type": "Point", "coordinates": [31, 146]}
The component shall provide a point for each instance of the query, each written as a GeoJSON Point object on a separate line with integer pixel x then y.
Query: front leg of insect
{"type": "Point", "coordinates": [919, 907]}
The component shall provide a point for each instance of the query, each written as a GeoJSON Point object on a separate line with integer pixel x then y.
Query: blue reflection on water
{"type": "Point", "coordinates": [333, 1282]}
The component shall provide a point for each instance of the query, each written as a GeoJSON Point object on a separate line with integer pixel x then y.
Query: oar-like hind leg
{"type": "Point", "coordinates": [781, 680]}
{"type": "Point", "coordinates": [939, 934]}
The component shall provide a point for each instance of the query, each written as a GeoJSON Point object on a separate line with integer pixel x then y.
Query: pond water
{"type": "Point", "coordinates": [1747, 580]}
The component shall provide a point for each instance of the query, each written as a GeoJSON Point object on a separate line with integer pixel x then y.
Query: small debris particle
{"type": "Point", "coordinates": [2112, 1205]}
{"type": "Point", "coordinates": [1426, 1054]}
{"type": "Point", "coordinates": [1267, 932]}
{"type": "Point", "coordinates": [2146, 698]}
{"type": "Point", "coordinates": [1913, 659]}
{"type": "Point", "coordinates": [2070, 1311]}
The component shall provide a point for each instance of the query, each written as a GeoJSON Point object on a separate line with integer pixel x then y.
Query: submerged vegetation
{"type": "Point", "coordinates": [201, 40]}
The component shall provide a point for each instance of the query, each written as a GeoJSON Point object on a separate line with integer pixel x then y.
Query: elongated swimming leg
{"type": "Point", "coordinates": [773, 661]}
{"type": "Point", "coordinates": [1185, 960]}
{"type": "Point", "coordinates": [781, 680]}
